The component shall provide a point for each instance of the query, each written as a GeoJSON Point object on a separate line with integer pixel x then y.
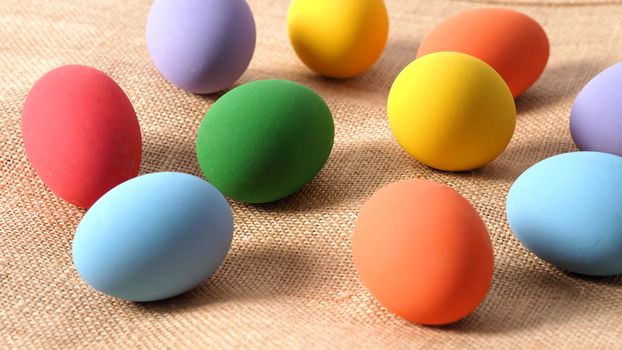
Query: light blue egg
{"type": "Point", "coordinates": [153, 237]}
{"type": "Point", "coordinates": [567, 210]}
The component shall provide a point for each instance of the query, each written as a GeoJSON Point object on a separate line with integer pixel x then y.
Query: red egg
{"type": "Point", "coordinates": [80, 133]}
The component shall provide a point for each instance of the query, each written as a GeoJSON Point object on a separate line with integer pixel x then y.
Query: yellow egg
{"type": "Point", "coordinates": [338, 38]}
{"type": "Point", "coordinates": [451, 111]}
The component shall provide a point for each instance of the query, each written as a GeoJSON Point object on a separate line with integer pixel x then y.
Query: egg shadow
{"type": "Point", "coordinates": [335, 184]}
{"type": "Point", "coordinates": [381, 162]}
{"type": "Point", "coordinates": [169, 154]}
{"type": "Point", "coordinates": [560, 82]}
{"type": "Point", "coordinates": [165, 152]}
{"type": "Point", "coordinates": [249, 76]}
{"type": "Point", "coordinates": [372, 84]}
{"type": "Point", "coordinates": [319, 194]}
{"type": "Point", "coordinates": [358, 168]}
{"type": "Point", "coordinates": [524, 298]}
{"type": "Point", "coordinates": [214, 96]}
{"type": "Point", "coordinates": [518, 157]}
{"type": "Point", "coordinates": [611, 281]}
{"type": "Point", "coordinates": [397, 55]}
{"type": "Point", "coordinates": [248, 273]}
{"type": "Point", "coordinates": [354, 172]}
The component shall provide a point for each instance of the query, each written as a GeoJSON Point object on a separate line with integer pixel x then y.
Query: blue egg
{"type": "Point", "coordinates": [567, 210]}
{"type": "Point", "coordinates": [153, 237]}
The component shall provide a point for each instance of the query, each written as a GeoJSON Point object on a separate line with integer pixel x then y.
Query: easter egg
{"type": "Point", "coordinates": [153, 237]}
{"type": "Point", "coordinates": [451, 111]}
{"type": "Point", "coordinates": [201, 46]}
{"type": "Point", "coordinates": [80, 133]}
{"type": "Point", "coordinates": [514, 44]}
{"type": "Point", "coordinates": [338, 39]}
{"type": "Point", "coordinates": [567, 210]}
{"type": "Point", "coordinates": [423, 252]}
{"type": "Point", "coordinates": [596, 117]}
{"type": "Point", "coordinates": [265, 140]}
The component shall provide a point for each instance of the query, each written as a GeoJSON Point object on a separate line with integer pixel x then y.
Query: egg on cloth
{"type": "Point", "coordinates": [338, 39]}
{"type": "Point", "coordinates": [201, 46]}
{"type": "Point", "coordinates": [514, 44]}
{"type": "Point", "coordinates": [596, 117]}
{"type": "Point", "coordinates": [423, 252]}
{"type": "Point", "coordinates": [80, 133]}
{"type": "Point", "coordinates": [265, 140]}
{"type": "Point", "coordinates": [153, 237]}
{"type": "Point", "coordinates": [451, 111]}
{"type": "Point", "coordinates": [567, 210]}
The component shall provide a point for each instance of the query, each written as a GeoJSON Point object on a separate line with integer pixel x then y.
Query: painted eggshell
{"type": "Point", "coordinates": [201, 46]}
{"type": "Point", "coordinates": [451, 111]}
{"type": "Point", "coordinates": [265, 140]}
{"type": "Point", "coordinates": [514, 44]}
{"type": "Point", "coordinates": [153, 237]}
{"type": "Point", "coordinates": [567, 210]}
{"type": "Point", "coordinates": [80, 133]}
{"type": "Point", "coordinates": [596, 117]}
{"type": "Point", "coordinates": [423, 251]}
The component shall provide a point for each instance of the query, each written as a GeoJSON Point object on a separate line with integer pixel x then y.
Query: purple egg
{"type": "Point", "coordinates": [201, 46]}
{"type": "Point", "coordinates": [596, 117]}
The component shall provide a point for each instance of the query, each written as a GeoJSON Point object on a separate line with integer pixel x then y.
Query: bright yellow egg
{"type": "Point", "coordinates": [451, 111]}
{"type": "Point", "coordinates": [338, 38]}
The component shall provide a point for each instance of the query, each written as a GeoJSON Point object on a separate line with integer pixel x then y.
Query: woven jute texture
{"type": "Point", "coordinates": [289, 281]}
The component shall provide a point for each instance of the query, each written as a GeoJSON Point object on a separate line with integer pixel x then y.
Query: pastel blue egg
{"type": "Point", "coordinates": [567, 210]}
{"type": "Point", "coordinates": [153, 237]}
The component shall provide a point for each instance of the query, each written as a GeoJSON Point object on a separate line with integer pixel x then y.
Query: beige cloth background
{"type": "Point", "coordinates": [289, 281]}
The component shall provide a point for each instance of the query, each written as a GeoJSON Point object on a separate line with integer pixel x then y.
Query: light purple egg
{"type": "Point", "coordinates": [201, 46]}
{"type": "Point", "coordinates": [596, 117]}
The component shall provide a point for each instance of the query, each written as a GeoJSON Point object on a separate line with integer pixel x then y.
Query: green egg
{"type": "Point", "coordinates": [265, 140]}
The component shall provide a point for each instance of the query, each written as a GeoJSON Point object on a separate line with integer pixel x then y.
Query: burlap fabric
{"type": "Point", "coordinates": [289, 281]}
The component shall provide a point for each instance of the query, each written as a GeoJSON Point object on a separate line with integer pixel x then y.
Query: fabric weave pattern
{"type": "Point", "coordinates": [289, 281]}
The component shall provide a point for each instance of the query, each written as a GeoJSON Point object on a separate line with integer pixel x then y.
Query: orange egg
{"type": "Point", "coordinates": [515, 45]}
{"type": "Point", "coordinates": [423, 251]}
